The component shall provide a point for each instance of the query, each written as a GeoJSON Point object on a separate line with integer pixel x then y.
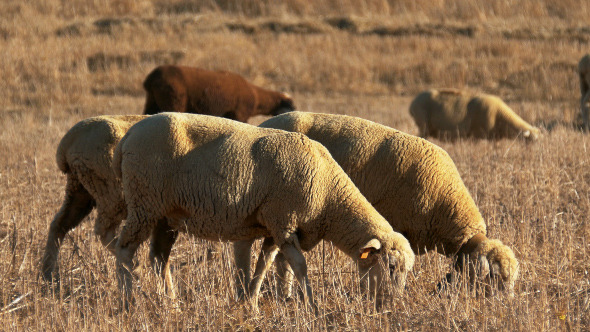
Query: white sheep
{"type": "Point", "coordinates": [85, 155]}
{"type": "Point", "coordinates": [584, 72]}
{"type": "Point", "coordinates": [454, 113]}
{"type": "Point", "coordinates": [224, 180]}
{"type": "Point", "coordinates": [413, 183]}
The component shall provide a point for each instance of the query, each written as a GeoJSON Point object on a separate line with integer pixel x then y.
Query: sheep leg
{"type": "Point", "coordinates": [133, 234]}
{"type": "Point", "coordinates": [124, 271]}
{"type": "Point", "coordinates": [77, 204]}
{"type": "Point", "coordinates": [299, 266]}
{"type": "Point", "coordinates": [163, 238]}
{"type": "Point", "coordinates": [372, 282]}
{"type": "Point", "coordinates": [285, 276]}
{"type": "Point", "coordinates": [107, 223]}
{"type": "Point", "coordinates": [171, 99]}
{"type": "Point", "coordinates": [108, 238]}
{"type": "Point", "coordinates": [151, 107]}
{"type": "Point", "coordinates": [585, 108]}
{"type": "Point", "coordinates": [424, 132]}
{"type": "Point", "coordinates": [242, 251]}
{"type": "Point", "coordinates": [369, 281]}
{"type": "Point", "coordinates": [265, 260]}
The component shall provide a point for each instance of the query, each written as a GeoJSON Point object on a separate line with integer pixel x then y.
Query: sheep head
{"type": "Point", "coordinates": [285, 105]}
{"type": "Point", "coordinates": [493, 264]}
{"type": "Point", "coordinates": [378, 259]}
{"type": "Point", "coordinates": [533, 134]}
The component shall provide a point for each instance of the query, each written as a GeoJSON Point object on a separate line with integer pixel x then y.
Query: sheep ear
{"type": "Point", "coordinates": [370, 247]}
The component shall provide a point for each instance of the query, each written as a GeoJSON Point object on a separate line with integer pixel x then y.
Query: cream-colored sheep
{"type": "Point", "coordinates": [413, 183]}
{"type": "Point", "coordinates": [224, 180]}
{"type": "Point", "coordinates": [85, 155]}
{"type": "Point", "coordinates": [584, 72]}
{"type": "Point", "coordinates": [454, 113]}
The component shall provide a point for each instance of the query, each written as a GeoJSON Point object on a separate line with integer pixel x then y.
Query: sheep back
{"type": "Point", "coordinates": [185, 171]}
{"type": "Point", "coordinates": [92, 141]}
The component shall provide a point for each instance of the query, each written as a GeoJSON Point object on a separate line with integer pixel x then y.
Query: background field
{"type": "Point", "coordinates": [63, 61]}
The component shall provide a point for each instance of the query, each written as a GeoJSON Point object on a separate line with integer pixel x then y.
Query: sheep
{"type": "Point", "coordinates": [584, 72]}
{"type": "Point", "coordinates": [454, 113]}
{"type": "Point", "coordinates": [223, 180]}
{"type": "Point", "coordinates": [411, 182]}
{"type": "Point", "coordinates": [220, 93]}
{"type": "Point", "coordinates": [85, 155]}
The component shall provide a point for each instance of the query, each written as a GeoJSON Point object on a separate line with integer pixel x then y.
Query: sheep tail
{"type": "Point", "coordinates": [61, 158]}
{"type": "Point", "coordinates": [61, 155]}
{"type": "Point", "coordinates": [118, 158]}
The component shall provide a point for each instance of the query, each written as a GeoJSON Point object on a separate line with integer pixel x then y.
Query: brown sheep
{"type": "Point", "coordinates": [451, 113]}
{"type": "Point", "coordinates": [584, 71]}
{"type": "Point", "coordinates": [218, 93]}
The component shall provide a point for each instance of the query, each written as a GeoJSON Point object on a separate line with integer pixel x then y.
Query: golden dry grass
{"type": "Point", "coordinates": [65, 61]}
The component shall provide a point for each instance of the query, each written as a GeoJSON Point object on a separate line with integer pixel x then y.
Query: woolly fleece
{"type": "Point", "coordinates": [224, 180]}
{"type": "Point", "coordinates": [451, 113]}
{"type": "Point", "coordinates": [413, 183]}
{"type": "Point", "coordinates": [85, 155]}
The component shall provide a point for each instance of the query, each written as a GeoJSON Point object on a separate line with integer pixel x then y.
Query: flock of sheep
{"type": "Point", "coordinates": [378, 194]}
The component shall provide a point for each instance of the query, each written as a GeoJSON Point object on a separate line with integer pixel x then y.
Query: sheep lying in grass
{"type": "Point", "coordinates": [413, 183]}
{"type": "Point", "coordinates": [221, 179]}
{"type": "Point", "coordinates": [454, 113]}
{"type": "Point", "coordinates": [584, 72]}
{"type": "Point", "coordinates": [85, 155]}
{"type": "Point", "coordinates": [219, 93]}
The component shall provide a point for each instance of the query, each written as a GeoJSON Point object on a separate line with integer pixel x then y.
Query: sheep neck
{"type": "Point", "coordinates": [352, 225]}
{"type": "Point", "coordinates": [472, 244]}
{"type": "Point", "coordinates": [266, 100]}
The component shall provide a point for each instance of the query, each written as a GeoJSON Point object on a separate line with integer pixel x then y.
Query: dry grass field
{"type": "Point", "coordinates": [63, 61]}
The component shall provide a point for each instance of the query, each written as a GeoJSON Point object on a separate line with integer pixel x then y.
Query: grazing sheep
{"type": "Point", "coordinates": [454, 113]}
{"type": "Point", "coordinates": [413, 183]}
{"type": "Point", "coordinates": [219, 93]}
{"type": "Point", "coordinates": [584, 71]}
{"type": "Point", "coordinates": [85, 155]}
{"type": "Point", "coordinates": [223, 180]}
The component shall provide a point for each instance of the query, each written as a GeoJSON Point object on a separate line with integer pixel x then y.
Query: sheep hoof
{"type": "Point", "coordinates": [51, 277]}
{"type": "Point", "coordinates": [51, 286]}
{"type": "Point", "coordinates": [443, 286]}
{"type": "Point", "coordinates": [254, 307]}
{"type": "Point", "coordinates": [240, 296]}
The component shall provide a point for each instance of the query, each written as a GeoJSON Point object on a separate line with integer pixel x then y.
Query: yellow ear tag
{"type": "Point", "coordinates": [365, 254]}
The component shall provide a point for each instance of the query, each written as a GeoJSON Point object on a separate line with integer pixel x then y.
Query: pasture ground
{"type": "Point", "coordinates": [62, 62]}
